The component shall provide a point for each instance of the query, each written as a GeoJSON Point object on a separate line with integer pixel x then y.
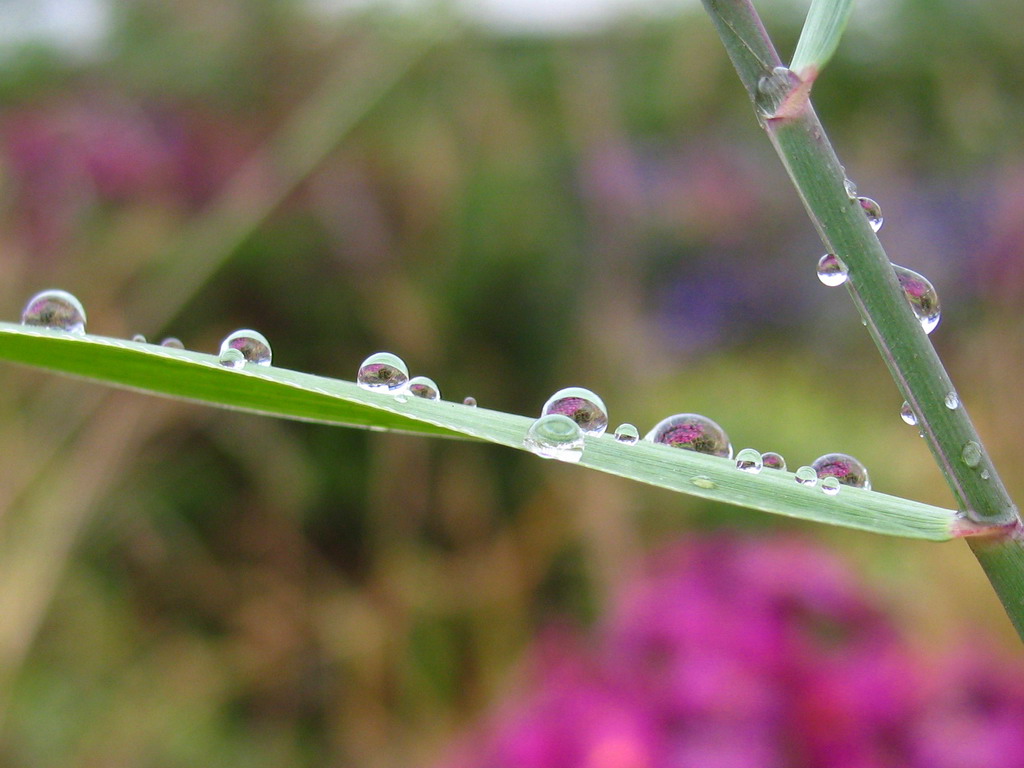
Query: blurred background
{"type": "Point", "coordinates": [514, 197]}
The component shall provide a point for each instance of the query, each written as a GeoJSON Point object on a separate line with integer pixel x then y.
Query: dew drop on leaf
{"type": "Point", "coordinates": [830, 485]}
{"type": "Point", "coordinates": [907, 414]}
{"type": "Point", "coordinates": [55, 309]}
{"type": "Point", "coordinates": [844, 468]}
{"type": "Point", "coordinates": [555, 436]}
{"type": "Point", "coordinates": [952, 401]}
{"type": "Point", "coordinates": [873, 211]}
{"type": "Point", "coordinates": [172, 342]}
{"type": "Point", "coordinates": [382, 372]}
{"type": "Point", "coordinates": [807, 476]}
{"type": "Point", "coordinates": [231, 358]}
{"type": "Point", "coordinates": [692, 432]}
{"type": "Point", "coordinates": [139, 338]}
{"type": "Point", "coordinates": [470, 401]}
{"type": "Point", "coordinates": [831, 270]}
{"type": "Point", "coordinates": [421, 386]}
{"type": "Point", "coordinates": [971, 454]}
{"type": "Point", "coordinates": [921, 295]}
{"type": "Point", "coordinates": [582, 406]}
{"type": "Point", "coordinates": [749, 460]}
{"type": "Point", "coordinates": [252, 344]}
{"type": "Point", "coordinates": [772, 460]}
{"type": "Point", "coordinates": [627, 434]}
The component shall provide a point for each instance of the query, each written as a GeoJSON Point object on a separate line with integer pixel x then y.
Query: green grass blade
{"type": "Point", "coordinates": [194, 376]}
{"type": "Point", "coordinates": [819, 38]}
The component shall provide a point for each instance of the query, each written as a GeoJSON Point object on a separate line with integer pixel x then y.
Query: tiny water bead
{"type": "Point", "coordinates": [772, 460]}
{"type": "Point", "coordinates": [844, 468]}
{"type": "Point", "coordinates": [172, 342]}
{"type": "Point", "coordinates": [952, 401]}
{"type": "Point", "coordinates": [831, 270]}
{"type": "Point", "coordinates": [555, 436]}
{"type": "Point", "coordinates": [985, 475]}
{"type": "Point", "coordinates": [231, 358]}
{"type": "Point", "coordinates": [971, 454]}
{"type": "Point", "coordinates": [252, 344]}
{"type": "Point", "coordinates": [921, 295]}
{"type": "Point", "coordinates": [907, 414]}
{"type": "Point", "coordinates": [830, 485]}
{"type": "Point", "coordinates": [470, 401]}
{"type": "Point", "coordinates": [382, 372]}
{"type": "Point", "coordinates": [873, 211]}
{"type": "Point", "coordinates": [692, 432]}
{"type": "Point", "coordinates": [55, 309]}
{"type": "Point", "coordinates": [807, 476]}
{"type": "Point", "coordinates": [582, 406]}
{"type": "Point", "coordinates": [421, 386]}
{"type": "Point", "coordinates": [627, 434]}
{"type": "Point", "coordinates": [139, 338]}
{"type": "Point", "coordinates": [749, 460]}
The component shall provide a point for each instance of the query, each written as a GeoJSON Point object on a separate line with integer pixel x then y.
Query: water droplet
{"type": "Point", "coordinates": [421, 386]}
{"type": "Point", "coordinates": [907, 414]}
{"type": "Point", "coordinates": [844, 468]}
{"type": "Point", "coordinates": [952, 401]}
{"type": "Point", "coordinates": [851, 188]}
{"type": "Point", "coordinates": [231, 358]}
{"type": "Point", "coordinates": [172, 343]}
{"type": "Point", "coordinates": [807, 476]}
{"type": "Point", "coordinates": [703, 482]}
{"type": "Point", "coordinates": [830, 485]}
{"type": "Point", "coordinates": [470, 401]}
{"type": "Point", "coordinates": [921, 295]}
{"type": "Point", "coordinates": [139, 338]}
{"type": "Point", "coordinates": [55, 309]}
{"type": "Point", "coordinates": [772, 460]}
{"type": "Point", "coordinates": [971, 454]}
{"type": "Point", "coordinates": [985, 475]}
{"type": "Point", "coordinates": [252, 344]}
{"type": "Point", "coordinates": [580, 405]}
{"type": "Point", "coordinates": [692, 432]}
{"type": "Point", "coordinates": [749, 460]}
{"type": "Point", "coordinates": [831, 271]}
{"type": "Point", "coordinates": [382, 372]}
{"type": "Point", "coordinates": [873, 211]}
{"type": "Point", "coordinates": [627, 434]}
{"type": "Point", "coordinates": [555, 436]}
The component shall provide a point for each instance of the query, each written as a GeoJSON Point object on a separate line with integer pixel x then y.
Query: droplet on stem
{"type": "Point", "coordinates": [55, 309]}
{"type": "Point", "coordinates": [907, 414]}
{"type": "Point", "coordinates": [952, 401]}
{"type": "Point", "coordinates": [921, 295]}
{"type": "Point", "coordinates": [382, 372]}
{"type": "Point", "coordinates": [252, 344]}
{"type": "Point", "coordinates": [831, 270]}
{"type": "Point", "coordinates": [692, 432]}
{"type": "Point", "coordinates": [582, 406]}
{"type": "Point", "coordinates": [555, 436]}
{"type": "Point", "coordinates": [873, 211]}
{"type": "Point", "coordinates": [971, 453]}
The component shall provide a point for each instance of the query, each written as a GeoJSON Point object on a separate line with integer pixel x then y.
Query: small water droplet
{"type": "Point", "coordinates": [231, 358]}
{"type": "Point", "coordinates": [772, 460]}
{"type": "Point", "coordinates": [873, 211]}
{"type": "Point", "coordinates": [172, 342]}
{"type": "Point", "coordinates": [692, 432]}
{"type": "Point", "coordinates": [627, 434]}
{"type": "Point", "coordinates": [921, 295]}
{"type": "Point", "coordinates": [555, 436]}
{"type": "Point", "coordinates": [985, 475]}
{"type": "Point", "coordinates": [252, 344]}
{"type": "Point", "coordinates": [952, 401]}
{"type": "Point", "coordinates": [139, 338]}
{"type": "Point", "coordinates": [582, 406]}
{"type": "Point", "coordinates": [831, 270]}
{"type": "Point", "coordinates": [830, 485]}
{"type": "Point", "coordinates": [55, 309]}
{"type": "Point", "coordinates": [807, 476]}
{"type": "Point", "coordinates": [749, 460]}
{"type": "Point", "coordinates": [971, 454]}
{"type": "Point", "coordinates": [907, 414]}
{"type": "Point", "coordinates": [382, 372]}
{"type": "Point", "coordinates": [851, 188]}
{"type": "Point", "coordinates": [844, 468]}
{"type": "Point", "coordinates": [470, 401]}
{"type": "Point", "coordinates": [703, 482]}
{"type": "Point", "coordinates": [421, 386]}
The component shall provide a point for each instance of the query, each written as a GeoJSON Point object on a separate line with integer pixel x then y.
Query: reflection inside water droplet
{"type": "Point", "coordinates": [55, 309]}
{"type": "Point", "coordinates": [582, 406]}
{"type": "Point", "coordinates": [382, 372]}
{"type": "Point", "coordinates": [844, 468]}
{"type": "Point", "coordinates": [627, 434]}
{"type": "Point", "coordinates": [692, 432]}
{"type": "Point", "coordinates": [555, 436]}
{"type": "Point", "coordinates": [831, 270]}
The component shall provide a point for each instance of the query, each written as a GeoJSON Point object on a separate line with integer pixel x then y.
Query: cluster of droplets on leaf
{"type": "Point", "coordinates": [383, 372]}
{"type": "Point", "coordinates": [244, 346]}
{"type": "Point", "coordinates": [55, 309]}
{"type": "Point", "coordinates": [555, 436]}
{"type": "Point", "coordinates": [582, 406]}
{"type": "Point", "coordinates": [692, 432]}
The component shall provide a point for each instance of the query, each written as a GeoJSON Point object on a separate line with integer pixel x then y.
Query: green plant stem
{"type": "Point", "coordinates": [784, 109]}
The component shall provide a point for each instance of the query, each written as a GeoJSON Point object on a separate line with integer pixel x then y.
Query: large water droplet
{"type": "Point", "coordinates": [231, 358]}
{"type": "Point", "coordinates": [831, 270]}
{"type": "Point", "coordinates": [55, 309]}
{"type": "Point", "coordinates": [172, 342]}
{"type": "Point", "coordinates": [830, 485]}
{"type": "Point", "coordinates": [692, 432]}
{"type": "Point", "coordinates": [971, 454]}
{"type": "Point", "coordinates": [921, 295]}
{"type": "Point", "coordinates": [844, 468]}
{"type": "Point", "coordinates": [907, 414]}
{"type": "Point", "coordinates": [252, 344]}
{"type": "Point", "coordinates": [952, 401]}
{"type": "Point", "coordinates": [772, 460]}
{"type": "Point", "coordinates": [555, 436]}
{"type": "Point", "coordinates": [807, 476]}
{"type": "Point", "coordinates": [627, 434]}
{"type": "Point", "coordinates": [382, 372]}
{"type": "Point", "coordinates": [749, 460]}
{"type": "Point", "coordinates": [421, 386]}
{"type": "Point", "coordinates": [580, 405]}
{"type": "Point", "coordinates": [470, 401]}
{"type": "Point", "coordinates": [873, 211]}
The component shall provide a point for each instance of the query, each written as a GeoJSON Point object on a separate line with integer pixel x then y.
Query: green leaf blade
{"type": "Point", "coordinates": [193, 376]}
{"type": "Point", "coordinates": [820, 36]}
